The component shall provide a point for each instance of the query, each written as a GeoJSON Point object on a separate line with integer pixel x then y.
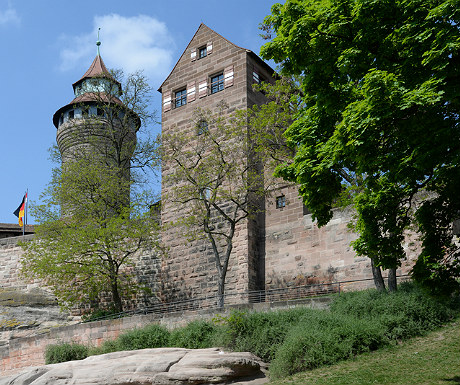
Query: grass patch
{"type": "Point", "coordinates": [429, 360]}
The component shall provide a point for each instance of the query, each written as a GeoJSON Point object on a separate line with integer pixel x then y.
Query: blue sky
{"type": "Point", "coordinates": [48, 45]}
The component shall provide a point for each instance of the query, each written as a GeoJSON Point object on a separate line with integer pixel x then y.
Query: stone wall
{"type": "Point", "coordinates": [21, 353]}
{"type": "Point", "coordinates": [190, 268]}
{"type": "Point", "coordinates": [297, 252]}
{"type": "Point", "coordinates": [10, 255]}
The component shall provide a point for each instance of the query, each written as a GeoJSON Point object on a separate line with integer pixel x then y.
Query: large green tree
{"type": "Point", "coordinates": [381, 86]}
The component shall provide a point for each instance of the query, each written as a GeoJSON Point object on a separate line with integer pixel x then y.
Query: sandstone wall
{"type": "Point", "coordinates": [10, 255]}
{"type": "Point", "coordinates": [190, 269]}
{"type": "Point", "coordinates": [297, 252]}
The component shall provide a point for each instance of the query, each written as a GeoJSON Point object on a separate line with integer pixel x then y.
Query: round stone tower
{"type": "Point", "coordinates": [96, 125]}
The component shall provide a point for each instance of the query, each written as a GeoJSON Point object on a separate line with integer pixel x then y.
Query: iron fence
{"type": "Point", "coordinates": [290, 293]}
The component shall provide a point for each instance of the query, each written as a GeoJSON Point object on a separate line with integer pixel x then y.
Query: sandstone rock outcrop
{"type": "Point", "coordinates": [26, 313]}
{"type": "Point", "coordinates": [162, 366]}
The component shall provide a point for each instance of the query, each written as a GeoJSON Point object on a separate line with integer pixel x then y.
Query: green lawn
{"type": "Point", "coordinates": [433, 359]}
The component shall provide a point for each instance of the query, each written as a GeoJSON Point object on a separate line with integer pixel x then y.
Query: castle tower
{"type": "Point", "coordinates": [211, 70]}
{"type": "Point", "coordinates": [96, 125]}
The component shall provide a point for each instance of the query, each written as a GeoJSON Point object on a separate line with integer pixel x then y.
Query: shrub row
{"type": "Point", "coordinates": [297, 339]}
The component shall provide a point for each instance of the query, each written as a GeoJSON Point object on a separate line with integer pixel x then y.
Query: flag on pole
{"type": "Point", "coordinates": [20, 211]}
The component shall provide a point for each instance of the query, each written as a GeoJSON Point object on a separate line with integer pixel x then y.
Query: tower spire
{"type": "Point", "coordinates": [98, 42]}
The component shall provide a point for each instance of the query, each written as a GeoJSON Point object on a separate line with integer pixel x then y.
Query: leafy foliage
{"type": "Point", "coordinates": [65, 352]}
{"type": "Point", "coordinates": [379, 121]}
{"type": "Point", "coordinates": [95, 215]}
{"type": "Point", "coordinates": [152, 336]}
{"type": "Point", "coordinates": [195, 335]}
{"type": "Point", "coordinates": [323, 338]}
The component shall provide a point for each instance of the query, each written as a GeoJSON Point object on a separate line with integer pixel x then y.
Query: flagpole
{"type": "Point", "coordinates": [25, 214]}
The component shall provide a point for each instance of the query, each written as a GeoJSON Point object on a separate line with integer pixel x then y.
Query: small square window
{"type": "Point", "coordinates": [280, 202]}
{"type": "Point", "coordinates": [181, 98]}
{"type": "Point", "coordinates": [202, 52]}
{"type": "Point", "coordinates": [217, 83]}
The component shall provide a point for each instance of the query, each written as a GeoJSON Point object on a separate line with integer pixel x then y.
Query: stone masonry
{"type": "Point", "coordinates": [190, 268]}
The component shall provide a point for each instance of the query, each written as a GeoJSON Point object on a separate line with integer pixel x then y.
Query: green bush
{"type": "Point", "coordinates": [259, 332]}
{"type": "Point", "coordinates": [196, 335]}
{"type": "Point", "coordinates": [405, 313]}
{"type": "Point", "coordinates": [323, 338]}
{"type": "Point", "coordinates": [107, 346]}
{"type": "Point", "coordinates": [65, 352]}
{"type": "Point", "coordinates": [152, 336]}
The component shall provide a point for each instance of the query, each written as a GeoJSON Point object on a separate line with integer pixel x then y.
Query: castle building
{"type": "Point", "coordinates": [283, 247]}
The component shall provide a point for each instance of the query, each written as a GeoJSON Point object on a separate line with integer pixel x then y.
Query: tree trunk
{"type": "Point", "coordinates": [116, 297]}
{"type": "Point", "coordinates": [220, 293]}
{"type": "Point", "coordinates": [392, 285]}
{"type": "Point", "coordinates": [378, 279]}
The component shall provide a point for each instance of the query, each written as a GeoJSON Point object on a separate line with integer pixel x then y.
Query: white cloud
{"type": "Point", "coordinates": [130, 43]}
{"type": "Point", "coordinates": [9, 16]}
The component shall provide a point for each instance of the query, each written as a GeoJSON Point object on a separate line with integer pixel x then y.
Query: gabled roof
{"type": "Point", "coordinates": [202, 25]}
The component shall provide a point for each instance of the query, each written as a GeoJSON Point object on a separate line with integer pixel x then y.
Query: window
{"type": "Point", "coordinates": [205, 193]}
{"type": "Point", "coordinates": [100, 112]}
{"type": "Point", "coordinates": [181, 98]}
{"type": "Point", "coordinates": [217, 83]}
{"type": "Point", "coordinates": [202, 52]}
{"type": "Point", "coordinates": [85, 111]}
{"type": "Point", "coordinates": [280, 202]}
{"type": "Point", "coordinates": [71, 114]}
{"type": "Point", "coordinates": [202, 127]}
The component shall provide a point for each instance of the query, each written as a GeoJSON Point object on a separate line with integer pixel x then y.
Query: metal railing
{"type": "Point", "coordinates": [291, 293]}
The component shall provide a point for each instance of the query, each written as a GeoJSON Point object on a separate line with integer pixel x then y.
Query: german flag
{"type": "Point", "coordinates": [19, 212]}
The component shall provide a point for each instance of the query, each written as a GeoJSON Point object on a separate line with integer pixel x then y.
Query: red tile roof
{"type": "Point", "coordinates": [96, 69]}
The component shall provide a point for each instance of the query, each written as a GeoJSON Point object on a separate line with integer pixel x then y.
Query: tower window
{"type": "Point", "coordinates": [217, 83]}
{"type": "Point", "coordinates": [202, 127]}
{"type": "Point", "coordinates": [202, 52]}
{"type": "Point", "coordinates": [71, 114]}
{"type": "Point", "coordinates": [181, 98]}
{"type": "Point", "coordinates": [100, 112]}
{"type": "Point", "coordinates": [280, 202]}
